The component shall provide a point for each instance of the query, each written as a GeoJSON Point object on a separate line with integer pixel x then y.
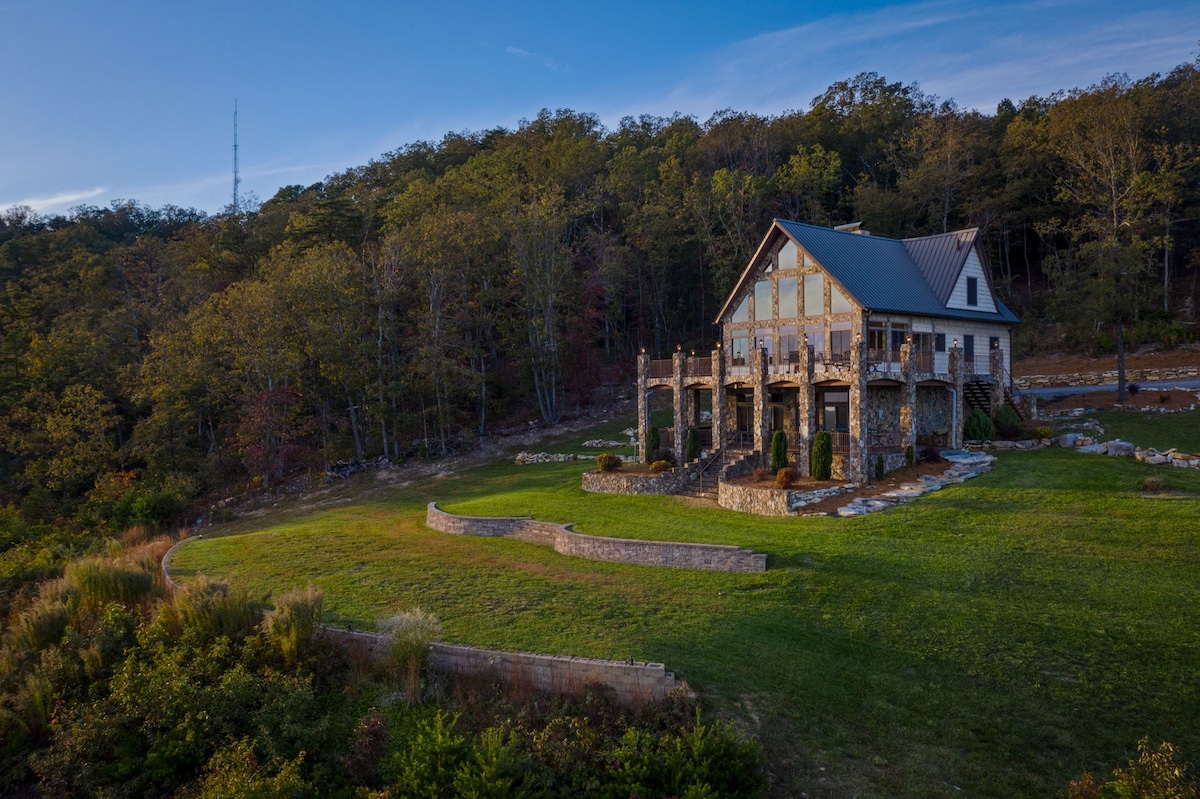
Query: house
{"type": "Point", "coordinates": [884, 343]}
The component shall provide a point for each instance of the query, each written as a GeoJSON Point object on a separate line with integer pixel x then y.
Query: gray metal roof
{"type": "Point", "coordinates": [914, 276]}
{"type": "Point", "coordinates": [941, 258]}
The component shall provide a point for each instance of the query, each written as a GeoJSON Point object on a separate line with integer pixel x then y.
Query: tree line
{"type": "Point", "coordinates": [400, 308]}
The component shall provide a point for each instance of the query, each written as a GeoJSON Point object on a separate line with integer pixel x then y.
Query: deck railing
{"type": "Point", "coordinates": [662, 368]}
{"type": "Point", "coordinates": [699, 366]}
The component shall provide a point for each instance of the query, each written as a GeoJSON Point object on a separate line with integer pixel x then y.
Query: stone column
{"type": "Point", "coordinates": [958, 411]}
{"type": "Point", "coordinates": [807, 410]}
{"type": "Point", "coordinates": [908, 396]}
{"type": "Point", "coordinates": [719, 422]}
{"type": "Point", "coordinates": [758, 376]}
{"type": "Point", "coordinates": [643, 405]}
{"type": "Point", "coordinates": [856, 459]}
{"type": "Point", "coordinates": [679, 362]}
{"type": "Point", "coordinates": [996, 369]}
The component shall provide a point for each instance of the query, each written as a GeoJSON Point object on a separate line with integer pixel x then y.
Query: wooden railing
{"type": "Point", "coordinates": [662, 368]}
{"type": "Point", "coordinates": [699, 366]}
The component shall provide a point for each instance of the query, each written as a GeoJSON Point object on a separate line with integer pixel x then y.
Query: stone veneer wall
{"type": "Point", "coordinates": [710, 557]}
{"type": "Point", "coordinates": [669, 482]}
{"type": "Point", "coordinates": [633, 683]}
{"type": "Point", "coordinates": [1102, 378]}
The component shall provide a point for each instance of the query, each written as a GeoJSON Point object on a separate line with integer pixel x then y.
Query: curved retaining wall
{"type": "Point", "coordinates": [633, 683]}
{"type": "Point", "coordinates": [710, 557]}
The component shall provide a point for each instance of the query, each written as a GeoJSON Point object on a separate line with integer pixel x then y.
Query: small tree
{"type": "Point", "coordinates": [910, 455]}
{"type": "Point", "coordinates": [652, 440]}
{"type": "Point", "coordinates": [692, 448]}
{"type": "Point", "coordinates": [779, 453]}
{"type": "Point", "coordinates": [822, 456]}
{"type": "Point", "coordinates": [879, 467]}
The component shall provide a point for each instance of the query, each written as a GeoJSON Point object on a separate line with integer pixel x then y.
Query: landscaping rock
{"type": "Point", "coordinates": [1119, 449]}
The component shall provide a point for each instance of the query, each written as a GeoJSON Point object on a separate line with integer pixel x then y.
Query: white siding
{"type": "Point", "coordinates": [958, 297]}
{"type": "Point", "coordinates": [955, 329]}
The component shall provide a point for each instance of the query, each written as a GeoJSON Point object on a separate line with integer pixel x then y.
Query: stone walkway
{"type": "Point", "coordinates": [963, 466]}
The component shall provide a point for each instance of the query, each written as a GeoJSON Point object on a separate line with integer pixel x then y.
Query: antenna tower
{"type": "Point", "coordinates": [236, 180]}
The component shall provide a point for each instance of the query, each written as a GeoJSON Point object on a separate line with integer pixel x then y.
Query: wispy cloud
{"type": "Point", "coordinates": [975, 54]}
{"type": "Point", "coordinates": [543, 61]}
{"type": "Point", "coordinates": [55, 201]}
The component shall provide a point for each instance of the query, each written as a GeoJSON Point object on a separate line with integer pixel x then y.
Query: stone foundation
{"type": "Point", "coordinates": [709, 557]}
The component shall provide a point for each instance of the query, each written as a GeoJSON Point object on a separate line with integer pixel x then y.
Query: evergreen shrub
{"type": "Point", "coordinates": [692, 448]}
{"type": "Point", "coordinates": [879, 467]}
{"type": "Point", "coordinates": [979, 427]}
{"type": "Point", "coordinates": [607, 462]}
{"type": "Point", "coordinates": [779, 451]}
{"type": "Point", "coordinates": [910, 455]}
{"type": "Point", "coordinates": [822, 456]}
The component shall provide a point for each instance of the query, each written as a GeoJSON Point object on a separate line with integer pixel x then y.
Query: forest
{"type": "Point", "coordinates": [156, 360]}
{"type": "Point", "coordinates": [151, 358]}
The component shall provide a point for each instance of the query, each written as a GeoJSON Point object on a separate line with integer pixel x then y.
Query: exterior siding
{"type": "Point", "coordinates": [958, 297]}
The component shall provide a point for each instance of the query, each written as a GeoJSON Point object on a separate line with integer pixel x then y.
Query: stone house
{"type": "Point", "coordinates": [884, 343]}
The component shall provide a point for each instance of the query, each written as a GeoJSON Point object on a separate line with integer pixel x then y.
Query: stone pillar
{"type": "Point", "coordinates": [996, 370]}
{"type": "Point", "coordinates": [958, 410]}
{"type": "Point", "coordinates": [719, 423]}
{"type": "Point", "coordinates": [856, 459]}
{"type": "Point", "coordinates": [643, 405]}
{"type": "Point", "coordinates": [758, 376]}
{"type": "Point", "coordinates": [807, 410]}
{"type": "Point", "coordinates": [679, 362]}
{"type": "Point", "coordinates": [908, 396]}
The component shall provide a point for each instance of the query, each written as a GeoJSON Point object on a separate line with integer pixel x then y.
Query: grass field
{"type": "Point", "coordinates": [991, 639]}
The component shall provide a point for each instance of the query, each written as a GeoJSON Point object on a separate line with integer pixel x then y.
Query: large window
{"type": "Point", "coordinates": [763, 340]}
{"type": "Point", "coordinates": [788, 307]}
{"type": "Point", "coordinates": [814, 295]}
{"type": "Point", "coordinates": [742, 312]}
{"type": "Point", "coordinates": [839, 342]}
{"type": "Point", "coordinates": [837, 301]}
{"type": "Point", "coordinates": [740, 347]}
{"type": "Point", "coordinates": [816, 340]}
{"type": "Point", "coordinates": [787, 255]}
{"type": "Point", "coordinates": [762, 301]}
{"type": "Point", "coordinates": [789, 346]}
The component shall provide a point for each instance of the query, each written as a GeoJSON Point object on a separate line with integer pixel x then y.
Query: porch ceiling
{"type": "Point", "coordinates": [884, 381]}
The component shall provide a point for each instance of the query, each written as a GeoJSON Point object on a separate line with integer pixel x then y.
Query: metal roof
{"type": "Point", "coordinates": [914, 276]}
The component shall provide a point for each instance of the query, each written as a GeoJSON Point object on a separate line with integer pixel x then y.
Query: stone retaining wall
{"type": "Point", "coordinates": [769, 501]}
{"type": "Point", "coordinates": [670, 482]}
{"type": "Point", "coordinates": [633, 683]}
{"type": "Point", "coordinates": [1104, 378]}
{"type": "Point", "coordinates": [710, 557]}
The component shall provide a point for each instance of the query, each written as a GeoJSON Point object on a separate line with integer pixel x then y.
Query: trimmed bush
{"type": "Point", "coordinates": [653, 443]}
{"type": "Point", "coordinates": [1133, 389]}
{"type": "Point", "coordinates": [779, 451]}
{"type": "Point", "coordinates": [879, 467]}
{"type": "Point", "coordinates": [607, 462]}
{"type": "Point", "coordinates": [979, 427]}
{"type": "Point", "coordinates": [691, 450]}
{"type": "Point", "coordinates": [759, 474]}
{"type": "Point", "coordinates": [910, 455]}
{"type": "Point", "coordinates": [662, 454]}
{"type": "Point", "coordinates": [658, 467]}
{"type": "Point", "coordinates": [1009, 432]}
{"type": "Point", "coordinates": [822, 456]}
{"type": "Point", "coordinates": [1043, 431]}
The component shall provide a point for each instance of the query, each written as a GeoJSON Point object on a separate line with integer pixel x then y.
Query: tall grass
{"type": "Point", "coordinates": [289, 626]}
{"type": "Point", "coordinates": [211, 609]}
{"type": "Point", "coordinates": [100, 581]}
{"type": "Point", "coordinates": [410, 635]}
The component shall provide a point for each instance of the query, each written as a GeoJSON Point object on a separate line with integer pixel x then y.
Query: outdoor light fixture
{"type": "Point", "coordinates": [693, 353]}
{"type": "Point", "coordinates": [760, 343]}
{"type": "Point", "coordinates": [718, 345]}
{"type": "Point", "coordinates": [955, 343]}
{"type": "Point", "coordinates": [679, 348]}
{"type": "Point", "coordinates": [643, 350]}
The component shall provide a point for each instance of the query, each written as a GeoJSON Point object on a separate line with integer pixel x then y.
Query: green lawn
{"type": "Point", "coordinates": [991, 639]}
{"type": "Point", "coordinates": [1181, 431]}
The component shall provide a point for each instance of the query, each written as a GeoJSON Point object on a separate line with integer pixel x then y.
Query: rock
{"type": "Point", "coordinates": [1093, 449]}
{"type": "Point", "coordinates": [1120, 449]}
{"type": "Point", "coordinates": [1067, 440]}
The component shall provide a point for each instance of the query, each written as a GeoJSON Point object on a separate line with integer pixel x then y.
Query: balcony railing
{"type": "Point", "coordinates": [841, 442]}
{"type": "Point", "coordinates": [663, 368]}
{"type": "Point", "coordinates": [699, 366]}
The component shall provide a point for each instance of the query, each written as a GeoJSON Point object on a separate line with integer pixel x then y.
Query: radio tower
{"type": "Point", "coordinates": [236, 179]}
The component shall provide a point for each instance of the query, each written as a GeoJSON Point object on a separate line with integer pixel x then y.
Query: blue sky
{"type": "Point", "coordinates": [105, 100]}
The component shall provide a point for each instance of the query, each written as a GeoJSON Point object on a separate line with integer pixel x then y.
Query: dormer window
{"type": "Point", "coordinates": [972, 291]}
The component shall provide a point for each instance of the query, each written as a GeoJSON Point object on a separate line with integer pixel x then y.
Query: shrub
{"type": "Point", "coordinates": [662, 454]}
{"type": "Point", "coordinates": [101, 581]}
{"type": "Point", "coordinates": [786, 476]}
{"type": "Point", "coordinates": [931, 455]}
{"type": "Point", "coordinates": [978, 427]}
{"type": "Point", "coordinates": [691, 450]}
{"type": "Point", "coordinates": [1043, 431]}
{"type": "Point", "coordinates": [290, 625]}
{"type": "Point", "coordinates": [653, 443]}
{"type": "Point", "coordinates": [658, 467]}
{"type": "Point", "coordinates": [1154, 484]}
{"type": "Point", "coordinates": [1133, 388]}
{"type": "Point", "coordinates": [822, 456]}
{"type": "Point", "coordinates": [1164, 397]}
{"type": "Point", "coordinates": [213, 609]}
{"type": "Point", "coordinates": [1010, 432]}
{"type": "Point", "coordinates": [779, 451]}
{"type": "Point", "coordinates": [410, 635]}
{"type": "Point", "coordinates": [1007, 416]}
{"type": "Point", "coordinates": [879, 467]}
{"type": "Point", "coordinates": [1155, 773]}
{"type": "Point", "coordinates": [759, 474]}
{"type": "Point", "coordinates": [607, 462]}
{"type": "Point", "coordinates": [910, 455]}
